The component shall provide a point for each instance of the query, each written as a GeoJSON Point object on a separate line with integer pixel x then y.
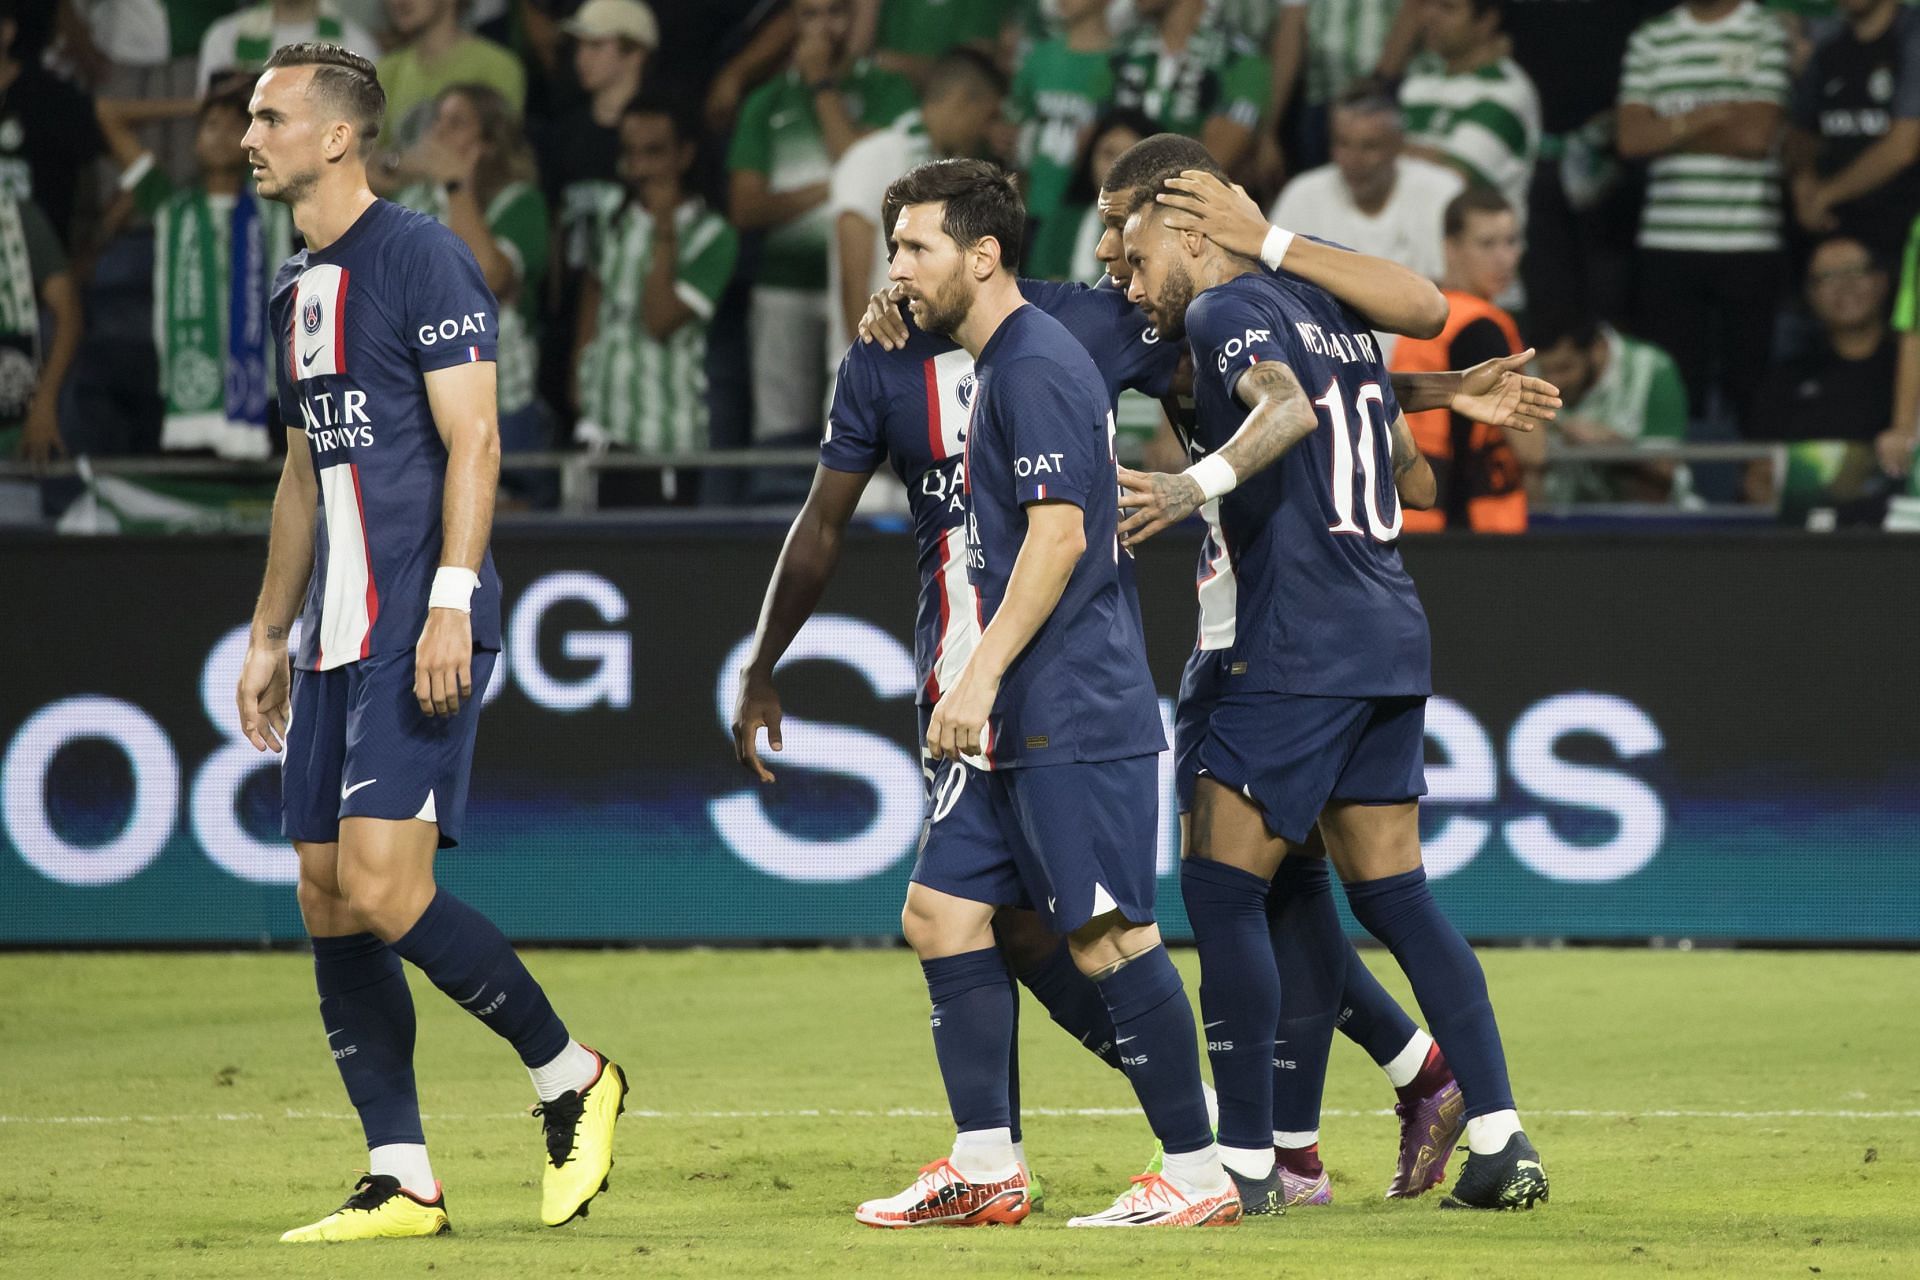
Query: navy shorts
{"type": "Point", "coordinates": [359, 746]}
{"type": "Point", "coordinates": [1201, 684]}
{"type": "Point", "coordinates": [1070, 841]}
{"type": "Point", "coordinates": [1292, 754]}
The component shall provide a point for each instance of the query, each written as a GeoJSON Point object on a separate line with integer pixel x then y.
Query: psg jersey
{"type": "Point", "coordinates": [359, 324]}
{"type": "Point", "coordinates": [911, 407]}
{"type": "Point", "coordinates": [1303, 580]}
{"type": "Point", "coordinates": [1042, 431]}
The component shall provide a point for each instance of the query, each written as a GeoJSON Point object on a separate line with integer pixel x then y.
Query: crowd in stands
{"type": "Point", "coordinates": [1702, 213]}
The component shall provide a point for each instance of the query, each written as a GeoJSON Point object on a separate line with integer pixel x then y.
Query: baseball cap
{"type": "Point", "coordinates": [601, 19]}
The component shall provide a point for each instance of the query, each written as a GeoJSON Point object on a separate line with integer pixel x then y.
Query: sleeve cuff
{"type": "Point", "coordinates": [137, 171]}
{"type": "Point", "coordinates": [697, 302]}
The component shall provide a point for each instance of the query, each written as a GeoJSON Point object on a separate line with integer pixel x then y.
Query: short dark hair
{"type": "Point", "coordinates": [1081, 188]}
{"type": "Point", "coordinates": [648, 103]}
{"type": "Point", "coordinates": [1563, 319]}
{"type": "Point", "coordinates": [1481, 8]}
{"type": "Point", "coordinates": [962, 67]}
{"type": "Point", "coordinates": [345, 77]}
{"type": "Point", "coordinates": [235, 97]}
{"type": "Point", "coordinates": [1370, 96]}
{"type": "Point", "coordinates": [1151, 161]}
{"type": "Point", "coordinates": [1874, 262]}
{"type": "Point", "coordinates": [981, 200]}
{"type": "Point", "coordinates": [1478, 198]}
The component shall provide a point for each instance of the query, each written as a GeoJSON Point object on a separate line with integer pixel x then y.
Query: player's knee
{"type": "Point", "coordinates": [1106, 942]}
{"type": "Point", "coordinates": [920, 927]}
{"type": "Point", "coordinates": [1024, 939]}
{"type": "Point", "coordinates": [382, 905]}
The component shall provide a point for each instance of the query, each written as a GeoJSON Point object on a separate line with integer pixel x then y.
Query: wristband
{"type": "Point", "coordinates": [453, 588]}
{"type": "Point", "coordinates": [1214, 474]}
{"type": "Point", "coordinates": [1275, 247]}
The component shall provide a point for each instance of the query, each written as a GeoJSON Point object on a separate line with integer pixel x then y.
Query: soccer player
{"type": "Point", "coordinates": [1053, 717]}
{"type": "Point", "coordinates": [386, 334]}
{"type": "Point", "coordinates": [1320, 682]}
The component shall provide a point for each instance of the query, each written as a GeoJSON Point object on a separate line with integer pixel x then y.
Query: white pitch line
{"type": "Point", "coordinates": [920, 1113]}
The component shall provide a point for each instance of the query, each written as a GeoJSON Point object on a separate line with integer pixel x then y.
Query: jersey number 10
{"type": "Point", "coordinates": [1372, 445]}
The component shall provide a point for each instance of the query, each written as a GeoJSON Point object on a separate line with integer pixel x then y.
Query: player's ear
{"type": "Point", "coordinates": [1193, 242]}
{"type": "Point", "coordinates": [339, 140]}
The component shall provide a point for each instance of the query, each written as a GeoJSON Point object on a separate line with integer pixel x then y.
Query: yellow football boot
{"type": "Point", "coordinates": [579, 1132]}
{"type": "Point", "coordinates": [378, 1209]}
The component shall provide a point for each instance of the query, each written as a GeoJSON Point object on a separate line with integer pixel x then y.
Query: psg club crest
{"type": "Point", "coordinates": [963, 390]}
{"type": "Point", "coordinates": [310, 315]}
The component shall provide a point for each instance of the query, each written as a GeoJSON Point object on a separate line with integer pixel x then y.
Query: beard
{"type": "Point", "coordinates": [947, 306]}
{"type": "Point", "coordinates": [1176, 295]}
{"type": "Point", "coordinates": [290, 190]}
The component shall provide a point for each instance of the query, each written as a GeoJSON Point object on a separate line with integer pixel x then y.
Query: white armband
{"type": "Point", "coordinates": [1215, 476]}
{"type": "Point", "coordinates": [1275, 247]}
{"type": "Point", "coordinates": [453, 588]}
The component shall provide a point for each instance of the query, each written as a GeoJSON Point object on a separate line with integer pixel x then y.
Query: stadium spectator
{"type": "Point", "coordinates": [33, 275]}
{"type": "Point", "coordinates": [962, 99]}
{"type": "Point", "coordinates": [434, 52]}
{"type": "Point", "coordinates": [1582, 205]}
{"type": "Point", "coordinates": [216, 248]}
{"type": "Point", "coordinates": [1483, 474]}
{"type": "Point", "coordinates": [1468, 104]}
{"type": "Point", "coordinates": [1333, 45]}
{"type": "Point", "coordinates": [243, 41]}
{"type": "Point", "coordinates": [908, 36]}
{"type": "Point", "coordinates": [1061, 87]}
{"type": "Point", "coordinates": [1192, 73]}
{"type": "Point", "coordinates": [1843, 388]}
{"type": "Point", "coordinates": [481, 182]}
{"type": "Point", "coordinates": [1374, 197]}
{"type": "Point", "coordinates": [1112, 135]}
{"type": "Point", "coordinates": [138, 50]}
{"type": "Point", "coordinates": [791, 131]}
{"type": "Point", "coordinates": [1701, 98]}
{"type": "Point", "coordinates": [641, 344]}
{"type": "Point", "coordinates": [580, 149]}
{"type": "Point", "coordinates": [1854, 149]}
{"type": "Point", "coordinates": [1899, 445]}
{"type": "Point", "coordinates": [47, 130]}
{"type": "Point", "coordinates": [1617, 390]}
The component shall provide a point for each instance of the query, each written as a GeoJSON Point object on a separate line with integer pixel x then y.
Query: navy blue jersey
{"type": "Point", "coordinates": [360, 323]}
{"type": "Point", "coordinates": [1042, 431]}
{"type": "Point", "coordinates": [910, 408]}
{"type": "Point", "coordinates": [1309, 591]}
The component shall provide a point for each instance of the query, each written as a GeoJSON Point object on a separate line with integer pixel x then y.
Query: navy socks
{"type": "Point", "coordinates": [1315, 959]}
{"type": "Point", "coordinates": [464, 955]}
{"type": "Point", "coordinates": [1239, 994]}
{"type": "Point", "coordinates": [1447, 981]}
{"type": "Point", "coordinates": [1371, 1018]}
{"type": "Point", "coordinates": [973, 1021]}
{"type": "Point", "coordinates": [1073, 1001]}
{"type": "Point", "coordinates": [1153, 1026]}
{"type": "Point", "coordinates": [368, 1013]}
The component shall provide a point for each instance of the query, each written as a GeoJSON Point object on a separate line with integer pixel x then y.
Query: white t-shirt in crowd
{"type": "Point", "coordinates": [859, 185]}
{"type": "Point", "coordinates": [1406, 230]}
{"type": "Point", "coordinates": [217, 46]}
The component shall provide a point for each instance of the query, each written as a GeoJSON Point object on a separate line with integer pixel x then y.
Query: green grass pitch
{"type": "Point", "coordinates": [1703, 1113]}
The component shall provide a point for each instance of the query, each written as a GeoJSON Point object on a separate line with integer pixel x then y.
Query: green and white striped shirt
{"type": "Point", "coordinates": [1675, 63]}
{"type": "Point", "coordinates": [1485, 121]}
{"type": "Point", "coordinates": [638, 391]}
{"type": "Point", "coordinates": [1344, 42]}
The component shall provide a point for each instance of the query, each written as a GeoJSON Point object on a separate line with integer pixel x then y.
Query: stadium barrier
{"type": "Point", "coordinates": [1710, 737]}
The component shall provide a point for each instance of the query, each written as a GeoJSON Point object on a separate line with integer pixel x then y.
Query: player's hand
{"type": "Point", "coordinates": [959, 722]}
{"type": "Point", "coordinates": [443, 662]}
{"type": "Point", "coordinates": [1158, 500]}
{"type": "Point", "coordinates": [759, 707]}
{"type": "Point", "coordinates": [1894, 448]}
{"type": "Point", "coordinates": [1223, 214]}
{"type": "Point", "coordinates": [264, 695]}
{"type": "Point", "coordinates": [883, 322]}
{"type": "Point", "coordinates": [40, 440]}
{"type": "Point", "coordinates": [1500, 394]}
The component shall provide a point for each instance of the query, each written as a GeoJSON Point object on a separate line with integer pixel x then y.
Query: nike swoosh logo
{"type": "Point", "coordinates": [1211, 1025]}
{"type": "Point", "coordinates": [475, 996]}
{"type": "Point", "coordinates": [347, 791]}
{"type": "Point", "coordinates": [1127, 1040]}
{"type": "Point", "coordinates": [332, 1034]}
{"type": "Point", "coordinates": [307, 359]}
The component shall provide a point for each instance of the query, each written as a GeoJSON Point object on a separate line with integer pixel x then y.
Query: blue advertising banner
{"type": "Point", "coordinates": [1714, 737]}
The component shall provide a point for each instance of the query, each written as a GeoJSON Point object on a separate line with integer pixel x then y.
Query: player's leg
{"type": "Point", "coordinates": [1043, 962]}
{"type": "Point", "coordinates": [1427, 1101]}
{"type": "Point", "coordinates": [1374, 841]}
{"type": "Point", "coordinates": [962, 876]}
{"type": "Point", "coordinates": [407, 799]}
{"type": "Point", "coordinates": [1229, 860]}
{"type": "Point", "coordinates": [366, 1008]}
{"type": "Point", "coordinates": [1084, 837]}
{"type": "Point", "coordinates": [1313, 956]}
